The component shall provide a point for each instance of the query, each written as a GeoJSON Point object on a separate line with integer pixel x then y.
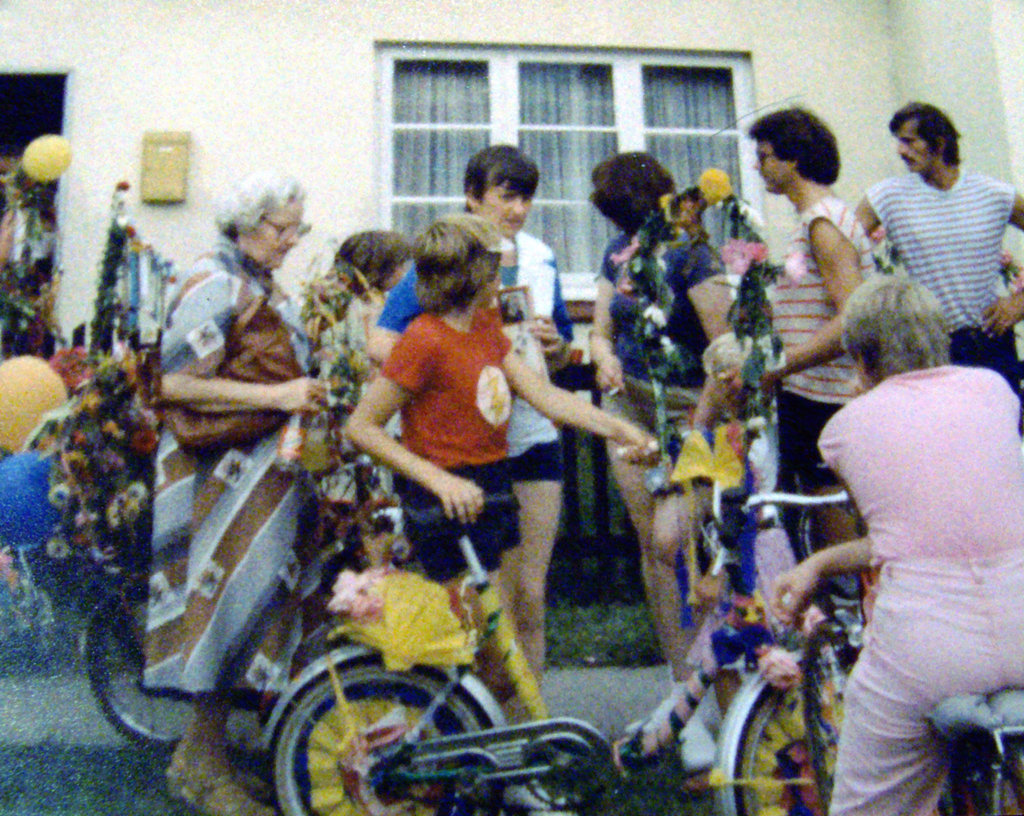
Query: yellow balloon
{"type": "Point", "coordinates": [28, 389]}
{"type": "Point", "coordinates": [46, 158]}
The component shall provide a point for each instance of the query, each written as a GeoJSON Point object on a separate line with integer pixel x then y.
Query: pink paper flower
{"type": "Point", "coordinates": [878, 235]}
{"type": "Point", "coordinates": [811, 619]}
{"type": "Point", "coordinates": [779, 667]}
{"type": "Point", "coordinates": [795, 267]}
{"type": "Point", "coordinates": [1005, 258]}
{"type": "Point", "coordinates": [625, 254]}
{"type": "Point", "coordinates": [738, 255]}
{"type": "Point", "coordinates": [355, 594]}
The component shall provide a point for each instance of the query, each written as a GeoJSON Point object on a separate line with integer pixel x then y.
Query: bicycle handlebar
{"type": "Point", "coordinates": [756, 500]}
{"type": "Point", "coordinates": [435, 513]}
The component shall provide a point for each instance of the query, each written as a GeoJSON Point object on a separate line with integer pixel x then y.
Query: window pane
{"type": "Point", "coordinates": [686, 157]}
{"type": "Point", "coordinates": [441, 91]}
{"type": "Point", "coordinates": [688, 98]}
{"type": "Point", "coordinates": [577, 233]}
{"type": "Point", "coordinates": [566, 159]}
{"type": "Point", "coordinates": [565, 94]}
{"type": "Point", "coordinates": [411, 219]}
{"type": "Point", "coordinates": [433, 162]}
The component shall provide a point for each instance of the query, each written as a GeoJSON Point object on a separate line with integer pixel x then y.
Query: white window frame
{"type": "Point", "coordinates": [627, 88]}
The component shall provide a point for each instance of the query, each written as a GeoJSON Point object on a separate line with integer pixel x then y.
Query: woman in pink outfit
{"type": "Point", "coordinates": [931, 455]}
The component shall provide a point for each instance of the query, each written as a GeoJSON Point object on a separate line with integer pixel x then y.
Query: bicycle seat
{"type": "Point", "coordinates": [960, 715]}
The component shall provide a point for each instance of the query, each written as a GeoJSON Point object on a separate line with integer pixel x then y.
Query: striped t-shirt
{"type": "Point", "coordinates": [949, 240]}
{"type": "Point", "coordinates": [801, 303]}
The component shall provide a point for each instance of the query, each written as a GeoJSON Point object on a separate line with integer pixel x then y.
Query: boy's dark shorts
{"type": "Point", "coordinates": [538, 463]}
{"type": "Point", "coordinates": [436, 540]}
{"type": "Point", "coordinates": [801, 421]}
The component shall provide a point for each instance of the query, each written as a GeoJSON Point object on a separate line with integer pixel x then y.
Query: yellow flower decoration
{"type": "Point", "coordinates": [715, 186]}
{"type": "Point", "coordinates": [91, 402]}
{"type": "Point", "coordinates": [111, 428]}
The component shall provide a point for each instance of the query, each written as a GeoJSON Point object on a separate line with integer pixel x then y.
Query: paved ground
{"type": "Point", "coordinates": [61, 710]}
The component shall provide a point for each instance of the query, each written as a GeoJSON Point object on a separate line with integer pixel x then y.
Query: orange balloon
{"type": "Point", "coordinates": [28, 389]}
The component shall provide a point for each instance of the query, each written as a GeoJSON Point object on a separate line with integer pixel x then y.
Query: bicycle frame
{"type": "Point", "coordinates": [478, 762]}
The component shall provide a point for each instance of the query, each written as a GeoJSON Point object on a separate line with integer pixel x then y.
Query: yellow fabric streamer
{"type": "Point", "coordinates": [416, 628]}
{"type": "Point", "coordinates": [722, 463]}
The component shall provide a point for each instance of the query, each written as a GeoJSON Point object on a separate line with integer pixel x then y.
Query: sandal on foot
{"type": "Point", "coordinates": [213, 794]}
{"type": "Point", "coordinates": [629, 753]}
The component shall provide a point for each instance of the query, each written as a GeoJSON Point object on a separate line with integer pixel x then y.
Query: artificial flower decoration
{"type": "Point", "coordinates": [745, 256]}
{"type": "Point", "coordinates": [884, 253]}
{"type": "Point", "coordinates": [715, 186]}
{"type": "Point", "coordinates": [780, 668]}
{"type": "Point", "coordinates": [354, 491]}
{"type": "Point", "coordinates": [102, 479]}
{"type": "Point", "coordinates": [1011, 271]}
{"type": "Point", "coordinates": [644, 279]}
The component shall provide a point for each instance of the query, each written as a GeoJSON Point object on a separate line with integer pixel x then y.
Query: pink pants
{"type": "Point", "coordinates": [940, 628]}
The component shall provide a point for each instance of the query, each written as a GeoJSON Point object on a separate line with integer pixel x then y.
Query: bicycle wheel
{"type": "Point", "coordinates": [114, 662]}
{"type": "Point", "coordinates": [762, 748]}
{"type": "Point", "coordinates": [307, 772]}
{"type": "Point", "coordinates": [827, 662]}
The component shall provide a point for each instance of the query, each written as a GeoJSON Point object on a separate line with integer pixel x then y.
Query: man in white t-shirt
{"type": "Point", "coordinates": [948, 226]}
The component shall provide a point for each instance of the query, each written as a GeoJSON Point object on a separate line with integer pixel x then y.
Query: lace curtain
{"type": "Point", "coordinates": [566, 121]}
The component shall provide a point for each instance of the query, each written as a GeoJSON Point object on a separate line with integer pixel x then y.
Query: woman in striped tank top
{"type": "Point", "coordinates": [828, 257]}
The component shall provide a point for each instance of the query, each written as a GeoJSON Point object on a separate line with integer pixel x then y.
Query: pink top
{"type": "Point", "coordinates": [933, 460]}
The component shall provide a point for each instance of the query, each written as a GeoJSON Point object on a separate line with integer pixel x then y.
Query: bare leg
{"type": "Point", "coordinates": [524, 570]}
{"type": "Point", "coordinates": [656, 564]}
{"type": "Point", "coordinates": [204, 742]}
{"type": "Point", "coordinates": [200, 772]}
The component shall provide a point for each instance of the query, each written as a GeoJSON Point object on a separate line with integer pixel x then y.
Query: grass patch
{"type": "Point", "coordinates": [615, 634]}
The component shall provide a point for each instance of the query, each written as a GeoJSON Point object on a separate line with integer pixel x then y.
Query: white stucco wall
{"type": "Point", "coordinates": [290, 84]}
{"type": "Point", "coordinates": [1008, 38]}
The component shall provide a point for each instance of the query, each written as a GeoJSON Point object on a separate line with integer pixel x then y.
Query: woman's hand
{"type": "Point", "coordinates": [609, 373]}
{"type": "Point", "coordinates": [793, 591]}
{"type": "Point", "coordinates": [303, 395]}
{"type": "Point", "coordinates": [546, 334]}
{"type": "Point", "coordinates": [461, 498]}
{"type": "Point", "coordinates": [636, 445]}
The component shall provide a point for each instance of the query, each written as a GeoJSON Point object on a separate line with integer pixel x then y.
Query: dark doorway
{"type": "Point", "coordinates": [30, 105]}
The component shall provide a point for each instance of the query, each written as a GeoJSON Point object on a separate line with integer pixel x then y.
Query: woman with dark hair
{"type": "Point", "coordinates": [231, 531]}
{"type": "Point", "coordinates": [931, 455]}
{"type": "Point", "coordinates": [627, 188]}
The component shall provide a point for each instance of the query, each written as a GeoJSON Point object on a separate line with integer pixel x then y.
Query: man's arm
{"type": "Point", "coordinates": [1007, 311]}
{"type": "Point", "coordinates": [838, 265]}
{"type": "Point", "coordinates": [1017, 213]}
{"type": "Point", "coordinates": [867, 216]}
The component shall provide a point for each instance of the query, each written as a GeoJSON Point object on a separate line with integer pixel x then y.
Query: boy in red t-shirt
{"type": "Point", "coordinates": [452, 374]}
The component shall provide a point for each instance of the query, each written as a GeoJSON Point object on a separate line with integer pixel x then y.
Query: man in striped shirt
{"type": "Point", "coordinates": [948, 226]}
{"type": "Point", "coordinates": [827, 257]}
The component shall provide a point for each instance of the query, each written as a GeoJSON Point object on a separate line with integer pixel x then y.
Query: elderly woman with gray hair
{"type": "Point", "coordinates": [231, 527]}
{"type": "Point", "coordinates": [931, 455]}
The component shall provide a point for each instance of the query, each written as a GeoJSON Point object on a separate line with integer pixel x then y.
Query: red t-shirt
{"type": "Point", "coordinates": [461, 402]}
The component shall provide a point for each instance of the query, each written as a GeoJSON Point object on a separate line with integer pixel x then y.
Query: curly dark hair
{"type": "Point", "coordinates": [798, 135]}
{"type": "Point", "coordinates": [627, 188]}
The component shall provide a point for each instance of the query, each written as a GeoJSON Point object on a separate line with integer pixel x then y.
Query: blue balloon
{"type": "Point", "coordinates": [27, 518]}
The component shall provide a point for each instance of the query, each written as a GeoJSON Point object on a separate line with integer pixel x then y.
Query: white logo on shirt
{"type": "Point", "coordinates": [493, 398]}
